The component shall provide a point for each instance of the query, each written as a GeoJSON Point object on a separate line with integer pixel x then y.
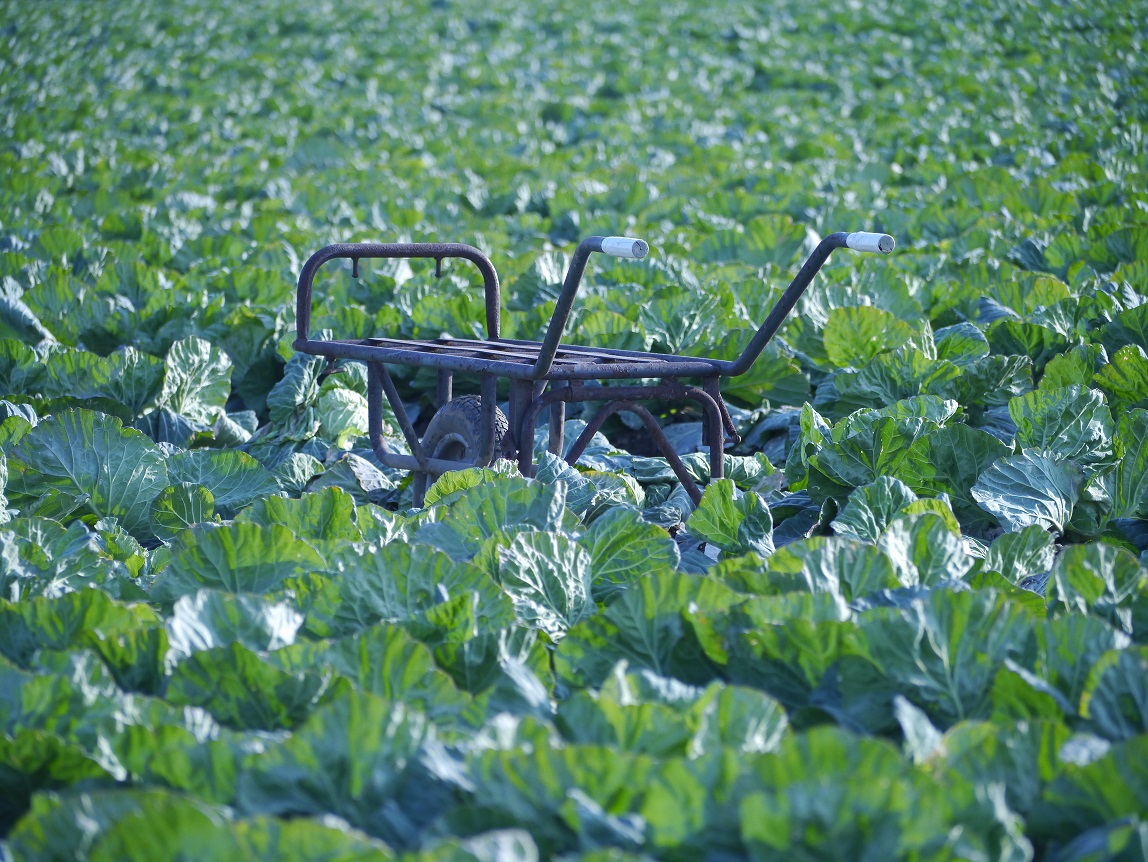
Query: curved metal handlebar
{"type": "Point", "coordinates": [354, 251]}
{"type": "Point", "coordinates": [616, 246]}
{"type": "Point", "coordinates": [859, 241]}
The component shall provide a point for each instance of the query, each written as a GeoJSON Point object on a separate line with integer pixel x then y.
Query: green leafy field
{"type": "Point", "coordinates": [913, 624]}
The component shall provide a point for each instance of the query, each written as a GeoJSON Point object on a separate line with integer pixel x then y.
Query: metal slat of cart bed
{"type": "Point", "coordinates": [517, 351]}
{"type": "Point", "coordinates": [523, 351]}
{"type": "Point", "coordinates": [514, 359]}
{"type": "Point", "coordinates": [613, 353]}
{"type": "Point", "coordinates": [526, 352]}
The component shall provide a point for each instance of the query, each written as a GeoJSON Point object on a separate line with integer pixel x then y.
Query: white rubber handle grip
{"type": "Point", "coordinates": [862, 241]}
{"type": "Point", "coordinates": [624, 246]}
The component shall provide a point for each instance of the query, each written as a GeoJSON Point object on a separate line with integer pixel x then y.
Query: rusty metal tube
{"type": "Point", "coordinates": [356, 251]}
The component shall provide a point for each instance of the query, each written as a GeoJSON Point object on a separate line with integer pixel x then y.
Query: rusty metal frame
{"type": "Point", "coordinates": [546, 374]}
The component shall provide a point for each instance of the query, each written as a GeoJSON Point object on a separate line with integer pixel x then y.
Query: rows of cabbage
{"type": "Point", "coordinates": [495, 671]}
{"type": "Point", "coordinates": [218, 167]}
{"type": "Point", "coordinates": [1030, 409]}
{"type": "Point", "coordinates": [912, 621]}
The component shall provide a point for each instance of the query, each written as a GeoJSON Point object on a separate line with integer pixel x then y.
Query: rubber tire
{"type": "Point", "coordinates": [454, 433]}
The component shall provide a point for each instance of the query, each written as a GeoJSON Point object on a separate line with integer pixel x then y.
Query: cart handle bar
{"type": "Point", "coordinates": [439, 251]}
{"type": "Point", "coordinates": [880, 243]}
{"type": "Point", "coordinates": [615, 246]}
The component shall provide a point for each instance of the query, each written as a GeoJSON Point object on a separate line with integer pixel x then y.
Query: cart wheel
{"type": "Point", "coordinates": [454, 433]}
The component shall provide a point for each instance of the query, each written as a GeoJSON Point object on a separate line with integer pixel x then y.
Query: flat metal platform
{"type": "Point", "coordinates": [516, 359]}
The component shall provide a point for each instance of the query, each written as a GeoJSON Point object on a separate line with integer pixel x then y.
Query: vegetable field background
{"type": "Point", "coordinates": [913, 624]}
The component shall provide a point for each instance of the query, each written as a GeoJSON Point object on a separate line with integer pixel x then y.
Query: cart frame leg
{"type": "Point", "coordinates": [625, 398]}
{"type": "Point", "coordinates": [380, 384]}
{"type": "Point", "coordinates": [444, 390]}
{"type": "Point", "coordinates": [557, 427]}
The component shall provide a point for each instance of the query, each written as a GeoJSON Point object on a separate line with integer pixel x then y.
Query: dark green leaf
{"type": "Point", "coordinates": [239, 558]}
{"type": "Point", "coordinates": [1097, 578]}
{"type": "Point", "coordinates": [1021, 555]}
{"type": "Point", "coordinates": [1038, 343]}
{"type": "Point", "coordinates": [547, 576]}
{"type": "Point", "coordinates": [242, 691]}
{"type": "Point", "coordinates": [1071, 423]}
{"type": "Point", "coordinates": [234, 479]}
{"type": "Point", "coordinates": [488, 508]}
{"type": "Point", "coordinates": [356, 757]}
{"type": "Point", "coordinates": [33, 761]}
{"type": "Point", "coordinates": [624, 548]}
{"type": "Point", "coordinates": [1115, 698]}
{"type": "Point", "coordinates": [949, 461]}
{"type": "Point", "coordinates": [871, 508]}
{"type": "Point", "coordinates": [924, 550]}
{"type": "Point", "coordinates": [733, 521]}
{"type": "Point", "coordinates": [645, 627]}
{"type": "Point", "coordinates": [180, 507]}
{"type": "Point", "coordinates": [198, 380]}
{"type": "Point", "coordinates": [853, 336]}
{"type": "Point", "coordinates": [117, 471]}
{"type": "Point", "coordinates": [1130, 497]}
{"type": "Point", "coordinates": [1032, 488]}
{"type": "Point", "coordinates": [1125, 378]}
{"type": "Point", "coordinates": [944, 650]}
{"type": "Point", "coordinates": [208, 619]}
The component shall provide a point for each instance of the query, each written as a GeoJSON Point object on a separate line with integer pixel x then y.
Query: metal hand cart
{"type": "Point", "coordinates": [471, 431]}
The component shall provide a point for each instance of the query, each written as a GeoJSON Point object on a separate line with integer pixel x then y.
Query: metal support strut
{"type": "Point", "coordinates": [625, 398]}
